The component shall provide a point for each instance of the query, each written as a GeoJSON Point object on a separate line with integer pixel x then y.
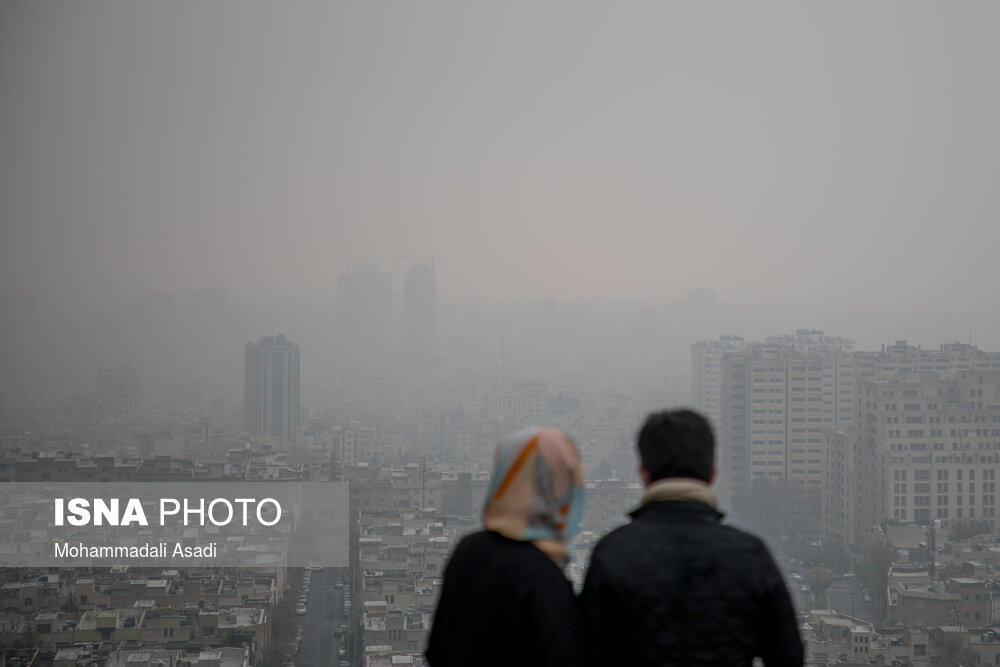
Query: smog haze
{"type": "Point", "coordinates": [780, 152]}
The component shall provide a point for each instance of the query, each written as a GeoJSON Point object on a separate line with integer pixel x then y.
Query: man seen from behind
{"type": "Point", "coordinates": [676, 586]}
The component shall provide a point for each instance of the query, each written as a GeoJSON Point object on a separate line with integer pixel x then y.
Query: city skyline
{"type": "Point", "coordinates": [470, 218]}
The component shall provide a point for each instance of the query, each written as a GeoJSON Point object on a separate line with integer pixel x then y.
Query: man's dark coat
{"type": "Point", "coordinates": [677, 587]}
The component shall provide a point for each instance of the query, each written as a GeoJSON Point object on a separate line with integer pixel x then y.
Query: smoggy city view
{"type": "Point", "coordinates": [330, 256]}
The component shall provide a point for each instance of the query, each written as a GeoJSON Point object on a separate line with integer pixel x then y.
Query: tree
{"type": "Point", "coordinates": [282, 633]}
{"type": "Point", "coordinates": [875, 574]}
{"type": "Point", "coordinates": [763, 510]}
{"type": "Point", "coordinates": [963, 530]}
{"type": "Point", "coordinates": [803, 508]}
{"type": "Point", "coordinates": [29, 639]}
{"type": "Point", "coordinates": [820, 579]}
{"type": "Point", "coordinates": [954, 648]}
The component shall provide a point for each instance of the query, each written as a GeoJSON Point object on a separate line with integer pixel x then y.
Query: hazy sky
{"type": "Point", "coordinates": [784, 151]}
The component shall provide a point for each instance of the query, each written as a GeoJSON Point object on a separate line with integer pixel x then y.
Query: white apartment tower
{"type": "Point", "coordinates": [776, 399]}
{"type": "Point", "coordinates": [271, 388]}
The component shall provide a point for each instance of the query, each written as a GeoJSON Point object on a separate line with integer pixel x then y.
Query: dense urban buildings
{"type": "Point", "coordinates": [791, 411]}
{"type": "Point", "coordinates": [893, 450]}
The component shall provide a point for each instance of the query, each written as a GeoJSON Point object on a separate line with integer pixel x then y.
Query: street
{"type": "Point", "coordinates": [319, 646]}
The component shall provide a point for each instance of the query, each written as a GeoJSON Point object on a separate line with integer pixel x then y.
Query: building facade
{"type": "Point", "coordinates": [926, 448]}
{"type": "Point", "coordinates": [119, 391]}
{"type": "Point", "coordinates": [271, 388]}
{"type": "Point", "coordinates": [706, 374]}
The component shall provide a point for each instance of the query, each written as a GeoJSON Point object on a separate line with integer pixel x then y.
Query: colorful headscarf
{"type": "Point", "coordinates": [536, 491]}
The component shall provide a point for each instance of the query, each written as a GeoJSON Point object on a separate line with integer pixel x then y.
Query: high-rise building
{"type": "Point", "coordinates": [420, 302]}
{"type": "Point", "coordinates": [271, 388]}
{"type": "Point", "coordinates": [365, 322]}
{"type": "Point", "coordinates": [774, 400]}
{"type": "Point", "coordinates": [119, 391]}
{"type": "Point", "coordinates": [791, 411]}
{"type": "Point", "coordinates": [926, 448]}
{"type": "Point", "coordinates": [706, 375]}
{"type": "Point", "coordinates": [948, 359]}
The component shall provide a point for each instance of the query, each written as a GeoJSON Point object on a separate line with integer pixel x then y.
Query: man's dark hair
{"type": "Point", "coordinates": [677, 443]}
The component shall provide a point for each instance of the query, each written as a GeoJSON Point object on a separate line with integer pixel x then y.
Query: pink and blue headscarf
{"type": "Point", "coordinates": [536, 491]}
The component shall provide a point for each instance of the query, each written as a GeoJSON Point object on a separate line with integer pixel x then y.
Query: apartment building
{"type": "Point", "coordinates": [776, 403]}
{"type": "Point", "coordinates": [771, 403]}
{"type": "Point", "coordinates": [779, 399]}
{"type": "Point", "coordinates": [706, 374]}
{"type": "Point", "coordinates": [926, 447]}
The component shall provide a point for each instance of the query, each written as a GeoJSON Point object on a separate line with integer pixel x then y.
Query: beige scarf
{"type": "Point", "coordinates": [679, 488]}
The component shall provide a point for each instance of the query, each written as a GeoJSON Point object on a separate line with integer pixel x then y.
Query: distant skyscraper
{"type": "Point", "coordinates": [364, 316]}
{"type": "Point", "coordinates": [420, 301]}
{"type": "Point", "coordinates": [271, 388]}
{"type": "Point", "coordinates": [118, 391]}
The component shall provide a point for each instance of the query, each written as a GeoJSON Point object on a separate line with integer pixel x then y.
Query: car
{"type": "Point", "coordinates": [300, 609]}
{"type": "Point", "coordinates": [338, 585]}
